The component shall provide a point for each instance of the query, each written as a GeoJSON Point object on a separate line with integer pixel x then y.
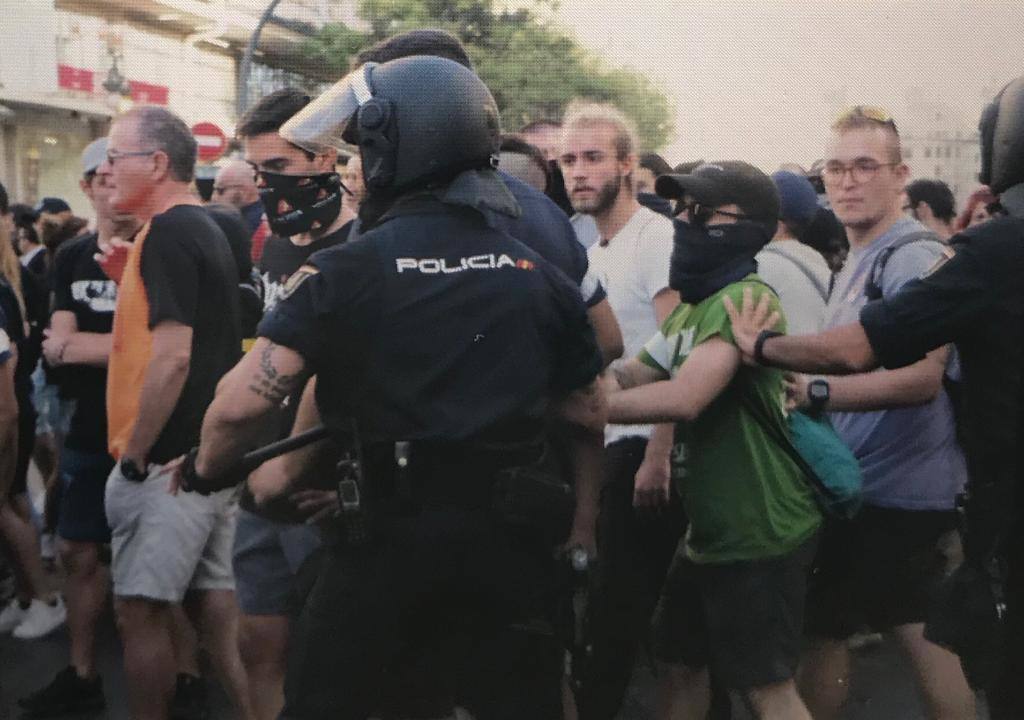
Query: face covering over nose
{"type": "Point", "coordinates": [311, 199]}
{"type": "Point", "coordinates": [706, 259]}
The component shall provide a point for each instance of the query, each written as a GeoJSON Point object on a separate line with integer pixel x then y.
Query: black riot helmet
{"type": "Point", "coordinates": [416, 121]}
{"type": "Point", "coordinates": [1002, 139]}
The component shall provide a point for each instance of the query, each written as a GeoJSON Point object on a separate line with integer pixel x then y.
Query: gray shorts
{"type": "Point", "coordinates": [163, 544]}
{"type": "Point", "coordinates": [267, 559]}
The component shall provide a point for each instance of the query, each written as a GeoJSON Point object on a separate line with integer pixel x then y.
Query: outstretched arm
{"type": "Point", "coordinates": [700, 379]}
{"type": "Point", "coordinates": [841, 351]}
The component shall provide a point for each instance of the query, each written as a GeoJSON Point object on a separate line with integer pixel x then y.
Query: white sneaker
{"type": "Point", "coordinates": [41, 619]}
{"type": "Point", "coordinates": [12, 615]}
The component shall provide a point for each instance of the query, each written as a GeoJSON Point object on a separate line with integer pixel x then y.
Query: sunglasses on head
{"type": "Point", "coordinates": [869, 112]}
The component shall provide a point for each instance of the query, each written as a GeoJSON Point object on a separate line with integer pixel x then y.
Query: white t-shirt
{"type": "Point", "coordinates": [800, 276]}
{"type": "Point", "coordinates": [633, 268]}
{"type": "Point", "coordinates": [586, 229]}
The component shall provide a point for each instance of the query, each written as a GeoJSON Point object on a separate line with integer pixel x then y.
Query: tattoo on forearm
{"type": "Point", "coordinates": [269, 383]}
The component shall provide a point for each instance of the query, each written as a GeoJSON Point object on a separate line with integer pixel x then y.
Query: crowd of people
{"type": "Point", "coordinates": [144, 351]}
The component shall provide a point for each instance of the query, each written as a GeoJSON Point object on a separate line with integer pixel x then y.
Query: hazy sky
{"type": "Point", "coordinates": [761, 80]}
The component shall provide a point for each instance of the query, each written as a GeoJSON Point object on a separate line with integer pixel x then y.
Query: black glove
{"type": "Point", "coordinates": [192, 481]}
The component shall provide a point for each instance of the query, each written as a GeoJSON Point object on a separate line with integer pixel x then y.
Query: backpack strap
{"type": "Point", "coordinates": [823, 290]}
{"type": "Point", "coordinates": [873, 284]}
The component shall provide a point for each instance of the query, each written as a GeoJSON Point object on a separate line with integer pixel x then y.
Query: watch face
{"type": "Point", "coordinates": [818, 391]}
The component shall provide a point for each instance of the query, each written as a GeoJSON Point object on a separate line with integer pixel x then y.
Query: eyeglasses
{"type": "Point", "coordinates": [861, 170]}
{"type": "Point", "coordinates": [867, 112]}
{"type": "Point", "coordinates": [113, 155]}
{"type": "Point", "coordinates": [698, 214]}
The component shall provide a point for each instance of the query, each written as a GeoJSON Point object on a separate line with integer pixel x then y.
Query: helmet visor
{"type": "Point", "coordinates": [321, 124]}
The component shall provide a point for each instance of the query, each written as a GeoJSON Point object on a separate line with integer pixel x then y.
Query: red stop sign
{"type": "Point", "coordinates": [211, 140]}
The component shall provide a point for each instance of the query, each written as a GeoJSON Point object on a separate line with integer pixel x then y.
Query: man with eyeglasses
{"type": "Point", "coordinates": [79, 337]}
{"type": "Point", "coordinates": [976, 300]}
{"type": "Point", "coordinates": [175, 334]}
{"type": "Point", "coordinates": [880, 570]}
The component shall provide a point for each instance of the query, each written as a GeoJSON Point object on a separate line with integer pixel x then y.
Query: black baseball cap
{"type": "Point", "coordinates": [724, 182]}
{"type": "Point", "coordinates": [52, 206]}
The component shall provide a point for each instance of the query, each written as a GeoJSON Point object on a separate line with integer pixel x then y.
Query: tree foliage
{"type": "Point", "coordinates": [533, 68]}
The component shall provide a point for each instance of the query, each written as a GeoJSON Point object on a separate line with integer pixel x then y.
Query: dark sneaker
{"type": "Point", "coordinates": [190, 701]}
{"type": "Point", "coordinates": [67, 694]}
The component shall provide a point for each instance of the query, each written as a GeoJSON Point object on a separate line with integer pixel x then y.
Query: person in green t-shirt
{"type": "Point", "coordinates": [734, 597]}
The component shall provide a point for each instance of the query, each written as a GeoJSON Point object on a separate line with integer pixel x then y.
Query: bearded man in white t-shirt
{"type": "Point", "coordinates": [639, 523]}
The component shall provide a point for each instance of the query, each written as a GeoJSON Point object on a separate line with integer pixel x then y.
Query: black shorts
{"type": "Point", "coordinates": [83, 476]}
{"type": "Point", "coordinates": [744, 619]}
{"type": "Point", "coordinates": [879, 570]}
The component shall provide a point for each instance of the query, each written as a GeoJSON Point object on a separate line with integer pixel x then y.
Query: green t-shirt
{"type": "Point", "coordinates": [745, 496]}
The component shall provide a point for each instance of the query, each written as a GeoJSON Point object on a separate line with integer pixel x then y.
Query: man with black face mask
{"type": "Point", "coordinates": [734, 597]}
{"type": "Point", "coordinates": [302, 196]}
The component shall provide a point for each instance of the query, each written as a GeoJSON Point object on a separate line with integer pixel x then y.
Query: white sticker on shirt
{"type": "Point", "coordinates": [99, 295]}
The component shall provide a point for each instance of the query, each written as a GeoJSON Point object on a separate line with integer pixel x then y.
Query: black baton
{"type": "Point", "coordinates": [252, 460]}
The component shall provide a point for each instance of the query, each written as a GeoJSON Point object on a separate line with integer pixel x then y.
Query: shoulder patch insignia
{"type": "Point", "coordinates": [298, 277]}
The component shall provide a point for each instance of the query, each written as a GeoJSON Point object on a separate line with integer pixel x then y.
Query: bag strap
{"type": "Point", "coordinates": [823, 291]}
{"type": "Point", "coordinates": [779, 437]}
{"type": "Point", "coordinates": [873, 284]}
{"type": "Point", "coordinates": [774, 431]}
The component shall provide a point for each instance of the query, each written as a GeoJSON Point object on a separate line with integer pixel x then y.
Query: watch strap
{"type": "Point", "coordinates": [762, 337]}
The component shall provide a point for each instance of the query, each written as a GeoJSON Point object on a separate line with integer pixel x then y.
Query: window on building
{"type": "Point", "coordinates": [908, 153]}
{"type": "Point", "coordinates": [927, 152]}
{"type": "Point", "coordinates": [958, 152]}
{"type": "Point", "coordinates": [938, 171]}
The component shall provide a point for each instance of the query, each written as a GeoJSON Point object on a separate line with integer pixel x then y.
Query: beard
{"type": "Point", "coordinates": [603, 199]}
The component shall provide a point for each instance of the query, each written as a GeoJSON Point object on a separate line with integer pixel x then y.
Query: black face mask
{"type": "Point", "coordinates": [706, 259]}
{"type": "Point", "coordinates": [318, 200]}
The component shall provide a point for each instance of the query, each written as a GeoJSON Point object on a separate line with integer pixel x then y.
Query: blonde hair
{"type": "Point", "coordinates": [869, 117]}
{"type": "Point", "coordinates": [581, 113]}
{"type": "Point", "coordinates": [10, 267]}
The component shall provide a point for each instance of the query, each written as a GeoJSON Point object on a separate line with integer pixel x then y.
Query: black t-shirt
{"type": "Point", "coordinates": [975, 300]}
{"type": "Point", "coordinates": [81, 287]}
{"type": "Point", "coordinates": [281, 258]}
{"type": "Point", "coordinates": [191, 278]}
{"type": "Point", "coordinates": [436, 326]}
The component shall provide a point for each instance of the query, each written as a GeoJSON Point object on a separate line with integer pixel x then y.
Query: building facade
{"type": "Point", "coordinates": [68, 66]}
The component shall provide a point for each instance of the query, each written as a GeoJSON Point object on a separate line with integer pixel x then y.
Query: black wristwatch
{"type": "Point", "coordinates": [818, 394]}
{"type": "Point", "coordinates": [132, 472]}
{"type": "Point", "coordinates": [759, 345]}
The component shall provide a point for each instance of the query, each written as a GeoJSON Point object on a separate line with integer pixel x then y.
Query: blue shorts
{"type": "Point", "coordinates": [54, 414]}
{"type": "Point", "coordinates": [83, 478]}
{"type": "Point", "coordinates": [266, 560]}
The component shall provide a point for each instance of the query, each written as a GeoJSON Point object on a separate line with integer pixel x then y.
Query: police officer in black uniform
{"type": "Point", "coordinates": [444, 350]}
{"type": "Point", "coordinates": [975, 300]}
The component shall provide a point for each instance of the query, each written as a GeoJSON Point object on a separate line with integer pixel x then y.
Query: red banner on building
{"type": "Point", "coordinates": [148, 94]}
{"type": "Point", "coordinates": [72, 78]}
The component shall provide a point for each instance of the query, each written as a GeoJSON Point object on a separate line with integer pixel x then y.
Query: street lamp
{"type": "Point", "coordinates": [242, 96]}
